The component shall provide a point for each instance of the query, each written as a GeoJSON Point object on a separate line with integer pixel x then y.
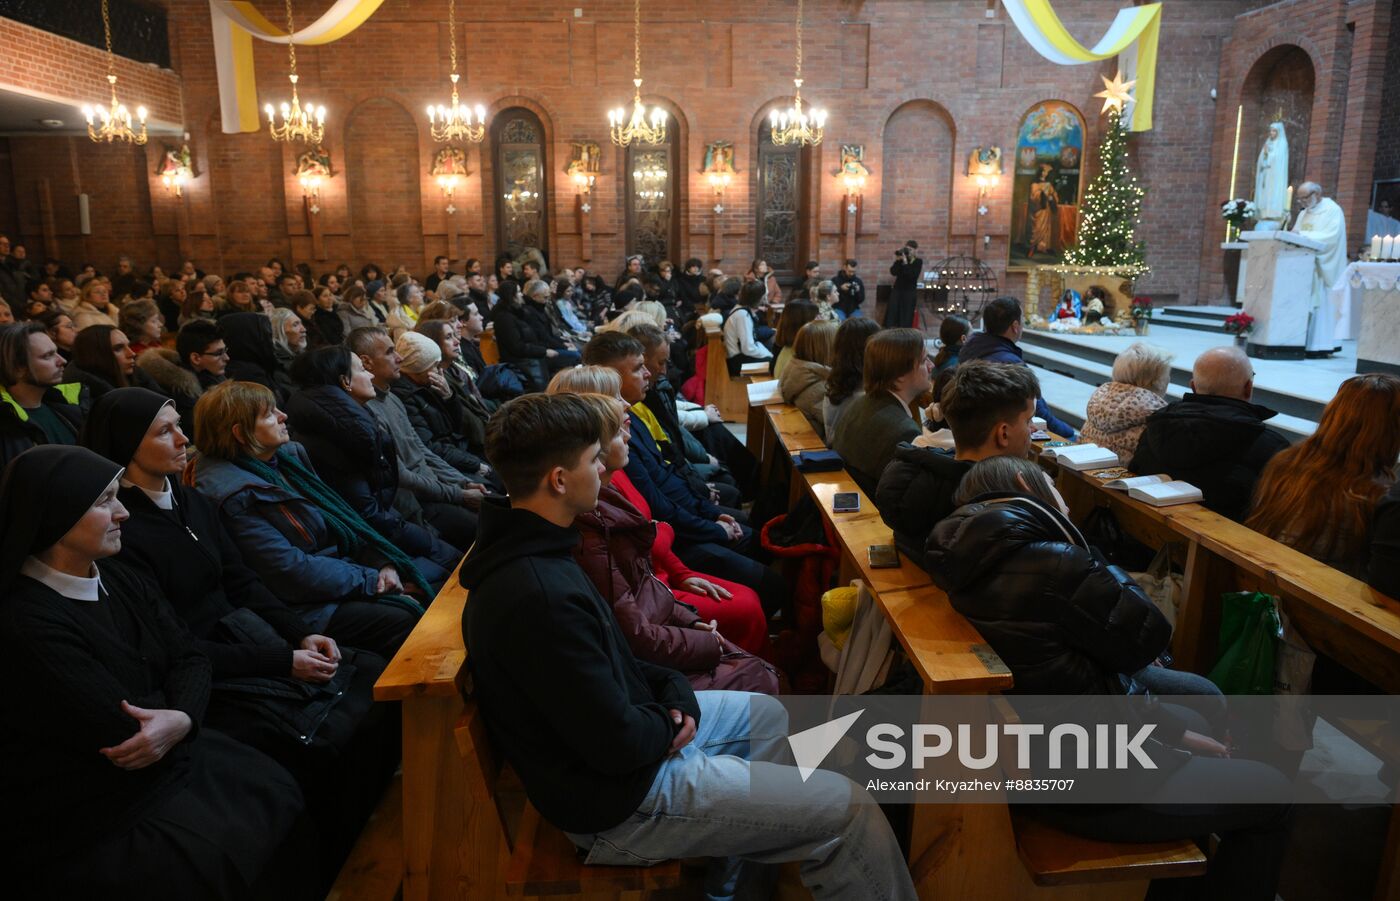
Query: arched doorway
{"type": "Point", "coordinates": [521, 182]}
{"type": "Point", "coordinates": [779, 209]}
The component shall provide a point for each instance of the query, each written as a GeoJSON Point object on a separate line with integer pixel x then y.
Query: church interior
{"type": "Point", "coordinates": [1194, 201]}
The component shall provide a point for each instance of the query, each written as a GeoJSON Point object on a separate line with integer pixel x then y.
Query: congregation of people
{"type": "Point", "coordinates": [228, 500]}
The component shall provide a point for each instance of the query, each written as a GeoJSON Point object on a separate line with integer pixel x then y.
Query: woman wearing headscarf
{"type": "Point", "coordinates": [111, 786]}
{"type": "Point", "coordinates": [278, 686]}
{"type": "Point", "coordinates": [301, 538]}
{"type": "Point", "coordinates": [438, 416]}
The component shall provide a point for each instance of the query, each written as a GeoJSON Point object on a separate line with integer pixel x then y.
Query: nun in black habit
{"type": "Point", "coordinates": [291, 693]}
{"type": "Point", "coordinates": [112, 788]}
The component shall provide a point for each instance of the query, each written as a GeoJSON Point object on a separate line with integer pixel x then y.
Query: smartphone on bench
{"type": "Point", "coordinates": [845, 502]}
{"type": "Point", "coordinates": [883, 556]}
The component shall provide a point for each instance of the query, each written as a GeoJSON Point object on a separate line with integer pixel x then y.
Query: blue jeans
{"type": "Point", "coordinates": [700, 805]}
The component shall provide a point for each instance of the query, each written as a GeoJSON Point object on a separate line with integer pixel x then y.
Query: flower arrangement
{"type": "Point", "coordinates": [1238, 211]}
{"type": "Point", "coordinates": [1239, 324]}
{"type": "Point", "coordinates": [1141, 308]}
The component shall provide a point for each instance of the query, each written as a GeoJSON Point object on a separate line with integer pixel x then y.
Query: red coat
{"type": "Point", "coordinates": [740, 618]}
{"type": "Point", "coordinates": [616, 552]}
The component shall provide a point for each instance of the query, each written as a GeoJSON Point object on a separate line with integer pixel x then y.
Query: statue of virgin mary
{"type": "Point", "coordinates": [1271, 176]}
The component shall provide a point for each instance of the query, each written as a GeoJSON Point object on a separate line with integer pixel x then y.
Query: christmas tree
{"type": "Point", "coordinates": [1112, 204]}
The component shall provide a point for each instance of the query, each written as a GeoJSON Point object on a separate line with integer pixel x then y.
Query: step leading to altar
{"type": "Point", "coordinates": [1071, 366]}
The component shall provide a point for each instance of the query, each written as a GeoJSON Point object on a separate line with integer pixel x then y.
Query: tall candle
{"type": "Point", "coordinates": [1388, 248]}
{"type": "Point", "coordinates": [1375, 247]}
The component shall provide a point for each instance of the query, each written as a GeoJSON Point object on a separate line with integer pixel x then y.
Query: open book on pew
{"type": "Point", "coordinates": [761, 393]}
{"type": "Point", "coordinates": [1161, 491]}
{"type": "Point", "coordinates": [1081, 456]}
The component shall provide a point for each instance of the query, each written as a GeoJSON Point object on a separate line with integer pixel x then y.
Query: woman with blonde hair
{"type": "Point", "coordinates": [803, 382]}
{"type": "Point", "coordinates": [1118, 410]}
{"type": "Point", "coordinates": [1319, 496]}
{"type": "Point", "coordinates": [733, 608]}
{"type": "Point", "coordinates": [95, 305]}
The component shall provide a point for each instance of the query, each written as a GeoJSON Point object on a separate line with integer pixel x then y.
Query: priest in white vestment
{"type": "Point", "coordinates": [1271, 178]}
{"type": "Point", "coordinates": [1322, 221]}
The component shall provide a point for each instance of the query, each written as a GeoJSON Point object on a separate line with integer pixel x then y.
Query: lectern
{"type": "Point", "coordinates": [1278, 293]}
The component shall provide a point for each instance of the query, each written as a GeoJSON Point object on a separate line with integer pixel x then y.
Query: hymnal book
{"type": "Point", "coordinates": [1166, 494]}
{"type": "Point", "coordinates": [761, 393]}
{"type": "Point", "coordinates": [1127, 482]}
{"type": "Point", "coordinates": [759, 368]}
{"type": "Point", "coordinates": [1082, 456]}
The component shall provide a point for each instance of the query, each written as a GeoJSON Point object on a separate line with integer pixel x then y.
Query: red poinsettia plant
{"type": "Point", "coordinates": [1141, 308]}
{"type": "Point", "coordinates": [1239, 324]}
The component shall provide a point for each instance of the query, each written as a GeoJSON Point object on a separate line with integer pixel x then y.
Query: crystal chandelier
{"type": "Point", "coordinates": [796, 126]}
{"type": "Point", "coordinates": [454, 121]}
{"type": "Point", "coordinates": [116, 118]}
{"type": "Point", "coordinates": [298, 124]}
{"type": "Point", "coordinates": [644, 127]}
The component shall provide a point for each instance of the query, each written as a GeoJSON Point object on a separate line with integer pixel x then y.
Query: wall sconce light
{"type": "Point", "coordinates": [984, 168]}
{"type": "Point", "coordinates": [311, 190]}
{"type": "Point", "coordinates": [584, 181]}
{"type": "Point", "coordinates": [852, 174]}
{"type": "Point", "coordinates": [719, 181]}
{"type": "Point", "coordinates": [448, 184]}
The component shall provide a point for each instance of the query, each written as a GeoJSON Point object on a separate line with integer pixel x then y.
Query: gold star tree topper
{"type": "Point", "coordinates": [1115, 92]}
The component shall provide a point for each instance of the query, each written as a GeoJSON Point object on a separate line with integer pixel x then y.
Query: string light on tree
{"type": "Point", "coordinates": [1113, 202]}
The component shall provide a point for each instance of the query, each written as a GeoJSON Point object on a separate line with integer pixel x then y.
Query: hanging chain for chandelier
{"type": "Point", "coordinates": [115, 117]}
{"type": "Point", "coordinates": [643, 127]}
{"type": "Point", "coordinates": [795, 126]}
{"type": "Point", "coordinates": [455, 122]}
{"type": "Point", "coordinates": [309, 124]}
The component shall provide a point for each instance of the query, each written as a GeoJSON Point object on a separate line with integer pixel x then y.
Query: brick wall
{"type": "Point", "coordinates": [1347, 44]}
{"type": "Point", "coordinates": [918, 84]}
{"type": "Point", "coordinates": [1388, 141]}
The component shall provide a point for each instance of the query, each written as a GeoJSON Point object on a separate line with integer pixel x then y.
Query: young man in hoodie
{"type": "Point", "coordinates": [989, 407]}
{"type": "Point", "coordinates": [996, 343]}
{"type": "Point", "coordinates": [621, 754]}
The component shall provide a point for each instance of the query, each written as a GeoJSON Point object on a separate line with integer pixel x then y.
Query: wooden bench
{"type": "Point", "coordinates": [455, 837]}
{"type": "Point", "coordinates": [542, 860]}
{"type": "Point", "coordinates": [1336, 614]}
{"type": "Point", "coordinates": [971, 851]}
{"type": "Point", "coordinates": [490, 351]}
{"type": "Point", "coordinates": [721, 389]}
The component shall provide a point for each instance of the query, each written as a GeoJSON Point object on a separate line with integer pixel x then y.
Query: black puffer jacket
{"type": "Point", "coordinates": [438, 421]}
{"type": "Point", "coordinates": [916, 491]}
{"type": "Point", "coordinates": [1218, 444]}
{"type": "Point", "coordinates": [1061, 619]}
{"type": "Point", "coordinates": [523, 332]}
{"type": "Point", "coordinates": [354, 454]}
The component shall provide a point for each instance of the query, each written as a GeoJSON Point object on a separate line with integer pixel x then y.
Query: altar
{"type": "Point", "coordinates": [1280, 268]}
{"type": "Point", "coordinates": [1372, 292]}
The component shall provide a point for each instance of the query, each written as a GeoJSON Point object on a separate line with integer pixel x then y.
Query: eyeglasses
{"type": "Point", "coordinates": [221, 352]}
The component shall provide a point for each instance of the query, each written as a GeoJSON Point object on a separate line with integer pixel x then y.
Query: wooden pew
{"type": "Point", "coordinates": [726, 393]}
{"type": "Point", "coordinates": [1336, 614]}
{"type": "Point", "coordinates": [975, 851]}
{"type": "Point", "coordinates": [455, 837]}
{"type": "Point", "coordinates": [490, 352]}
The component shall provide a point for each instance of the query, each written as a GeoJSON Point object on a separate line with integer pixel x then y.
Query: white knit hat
{"type": "Point", "coordinates": [419, 352]}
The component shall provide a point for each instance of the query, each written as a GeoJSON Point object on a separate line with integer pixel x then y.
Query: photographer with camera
{"type": "Point", "coordinates": [903, 297]}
